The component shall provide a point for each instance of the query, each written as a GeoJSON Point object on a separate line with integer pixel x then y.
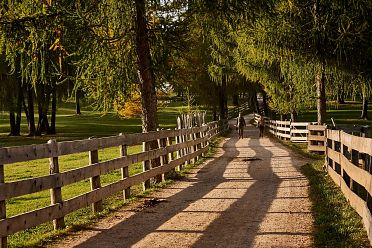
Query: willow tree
{"type": "Point", "coordinates": [309, 41]}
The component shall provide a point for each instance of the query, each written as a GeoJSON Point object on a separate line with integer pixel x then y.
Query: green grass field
{"type": "Point", "coordinates": [70, 127]}
{"type": "Point", "coordinates": [342, 114]}
{"type": "Point", "coordinates": [91, 123]}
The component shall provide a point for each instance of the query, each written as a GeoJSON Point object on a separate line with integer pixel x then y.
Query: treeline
{"type": "Point", "coordinates": [297, 54]}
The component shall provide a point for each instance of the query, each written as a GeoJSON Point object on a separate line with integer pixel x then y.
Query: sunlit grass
{"type": "Point", "coordinates": [336, 222]}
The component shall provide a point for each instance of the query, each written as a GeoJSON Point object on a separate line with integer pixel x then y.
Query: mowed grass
{"type": "Point", "coordinates": [336, 222]}
{"type": "Point", "coordinates": [91, 123]}
{"type": "Point", "coordinates": [343, 114]}
{"type": "Point", "coordinates": [70, 127]}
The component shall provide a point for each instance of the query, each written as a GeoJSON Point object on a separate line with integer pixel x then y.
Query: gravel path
{"type": "Point", "coordinates": [250, 194]}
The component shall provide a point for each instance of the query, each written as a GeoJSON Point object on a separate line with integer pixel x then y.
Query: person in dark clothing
{"type": "Point", "coordinates": [240, 124]}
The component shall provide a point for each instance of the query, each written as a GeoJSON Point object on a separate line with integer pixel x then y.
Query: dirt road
{"type": "Point", "coordinates": [250, 194]}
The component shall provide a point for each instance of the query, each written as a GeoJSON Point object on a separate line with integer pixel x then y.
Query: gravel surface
{"type": "Point", "coordinates": [249, 194]}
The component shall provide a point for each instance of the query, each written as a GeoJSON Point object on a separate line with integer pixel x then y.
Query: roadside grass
{"type": "Point", "coordinates": [336, 222]}
{"type": "Point", "coordinates": [44, 234]}
{"type": "Point", "coordinates": [70, 127]}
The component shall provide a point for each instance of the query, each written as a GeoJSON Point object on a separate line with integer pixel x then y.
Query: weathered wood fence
{"type": "Point", "coordinates": [234, 112]}
{"type": "Point", "coordinates": [348, 160]}
{"type": "Point", "coordinates": [287, 130]}
{"type": "Point", "coordinates": [188, 144]}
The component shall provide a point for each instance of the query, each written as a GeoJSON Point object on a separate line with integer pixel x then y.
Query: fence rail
{"type": "Point", "coordinates": [188, 144]}
{"type": "Point", "coordinates": [349, 164]}
{"type": "Point", "coordinates": [234, 112]}
{"type": "Point", "coordinates": [293, 131]}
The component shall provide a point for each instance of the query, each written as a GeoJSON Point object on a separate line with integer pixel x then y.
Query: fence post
{"type": "Point", "coordinates": [146, 164]}
{"type": "Point", "coordinates": [55, 193]}
{"type": "Point", "coordinates": [3, 240]}
{"type": "Point", "coordinates": [177, 140]}
{"type": "Point", "coordinates": [125, 170]}
{"type": "Point", "coordinates": [170, 155]}
{"type": "Point", "coordinates": [163, 158]}
{"type": "Point", "coordinates": [95, 182]}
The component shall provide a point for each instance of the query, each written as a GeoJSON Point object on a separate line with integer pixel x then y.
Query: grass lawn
{"type": "Point", "coordinates": [70, 127]}
{"type": "Point", "coordinates": [342, 114]}
{"type": "Point", "coordinates": [91, 123]}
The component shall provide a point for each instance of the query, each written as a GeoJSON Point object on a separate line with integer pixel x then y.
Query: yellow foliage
{"type": "Point", "coordinates": [130, 107]}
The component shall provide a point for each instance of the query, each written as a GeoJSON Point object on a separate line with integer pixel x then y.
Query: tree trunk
{"type": "Point", "coordinates": [235, 99]}
{"type": "Point", "coordinates": [52, 129]}
{"type": "Point", "coordinates": [12, 122]}
{"type": "Point", "coordinates": [321, 97]}
{"type": "Point", "coordinates": [293, 116]}
{"type": "Point", "coordinates": [15, 116]}
{"type": "Point", "coordinates": [223, 98]}
{"type": "Point", "coordinates": [77, 99]}
{"type": "Point", "coordinates": [364, 114]}
{"type": "Point", "coordinates": [31, 113]}
{"type": "Point", "coordinates": [341, 94]}
{"type": "Point", "coordinates": [214, 112]}
{"type": "Point", "coordinates": [43, 106]}
{"type": "Point", "coordinates": [146, 78]}
{"type": "Point", "coordinates": [264, 103]}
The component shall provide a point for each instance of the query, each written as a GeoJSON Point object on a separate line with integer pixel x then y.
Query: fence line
{"type": "Point", "coordinates": [234, 112]}
{"type": "Point", "coordinates": [349, 163]}
{"type": "Point", "coordinates": [198, 140]}
{"type": "Point", "coordinates": [293, 131]}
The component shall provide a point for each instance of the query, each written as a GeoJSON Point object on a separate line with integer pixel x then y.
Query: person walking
{"type": "Point", "coordinates": [240, 124]}
{"type": "Point", "coordinates": [261, 125]}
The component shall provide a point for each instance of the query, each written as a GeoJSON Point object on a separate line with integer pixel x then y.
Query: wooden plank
{"type": "Point", "coordinates": [299, 124]}
{"type": "Point", "coordinates": [300, 131]}
{"type": "Point", "coordinates": [146, 166]}
{"type": "Point", "coordinates": [316, 127]}
{"type": "Point", "coordinates": [30, 219]}
{"type": "Point", "coordinates": [298, 139]}
{"type": "Point", "coordinates": [355, 201]}
{"type": "Point", "coordinates": [315, 137]}
{"type": "Point", "coordinates": [333, 135]}
{"type": "Point", "coordinates": [95, 182]}
{"type": "Point", "coordinates": [284, 135]}
{"type": "Point", "coordinates": [56, 192]}
{"type": "Point", "coordinates": [357, 174]}
{"type": "Point", "coordinates": [125, 171]}
{"type": "Point", "coordinates": [28, 186]}
{"type": "Point", "coordinates": [363, 145]}
{"type": "Point", "coordinates": [39, 216]}
{"type": "Point", "coordinates": [335, 156]}
{"type": "Point", "coordinates": [285, 129]}
{"type": "Point", "coordinates": [286, 123]}
{"type": "Point", "coordinates": [9, 155]}
{"type": "Point", "coordinates": [83, 173]}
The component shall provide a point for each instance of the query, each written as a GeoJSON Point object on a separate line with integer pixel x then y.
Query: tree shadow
{"type": "Point", "coordinates": [138, 226]}
{"type": "Point", "coordinates": [231, 202]}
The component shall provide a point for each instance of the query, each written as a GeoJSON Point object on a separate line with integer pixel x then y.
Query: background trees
{"type": "Point", "coordinates": [294, 52]}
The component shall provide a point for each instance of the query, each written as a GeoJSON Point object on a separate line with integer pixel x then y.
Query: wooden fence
{"type": "Point", "coordinates": [234, 112]}
{"type": "Point", "coordinates": [293, 131]}
{"type": "Point", "coordinates": [349, 164]}
{"type": "Point", "coordinates": [316, 138]}
{"type": "Point", "coordinates": [188, 144]}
